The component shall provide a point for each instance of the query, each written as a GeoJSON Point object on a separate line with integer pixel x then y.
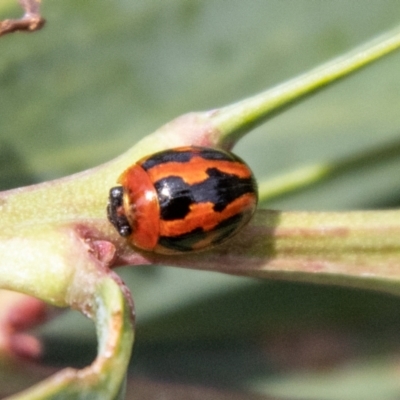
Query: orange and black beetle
{"type": "Point", "coordinates": [183, 199]}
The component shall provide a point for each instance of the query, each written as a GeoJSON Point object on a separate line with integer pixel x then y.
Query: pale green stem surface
{"type": "Point", "coordinates": [358, 249]}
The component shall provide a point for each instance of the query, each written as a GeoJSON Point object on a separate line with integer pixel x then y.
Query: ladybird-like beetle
{"type": "Point", "coordinates": [183, 199]}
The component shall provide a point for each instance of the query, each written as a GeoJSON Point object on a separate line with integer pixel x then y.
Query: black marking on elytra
{"type": "Point", "coordinates": [175, 155]}
{"type": "Point", "coordinates": [167, 156]}
{"type": "Point", "coordinates": [114, 214]}
{"type": "Point", "coordinates": [188, 241]}
{"type": "Point", "coordinates": [222, 188]}
{"type": "Point", "coordinates": [175, 195]}
{"type": "Point", "coordinates": [211, 154]}
{"type": "Point", "coordinates": [227, 227]}
{"type": "Point", "coordinates": [184, 242]}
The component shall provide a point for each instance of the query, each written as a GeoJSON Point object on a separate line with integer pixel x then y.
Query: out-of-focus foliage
{"type": "Point", "coordinates": [103, 74]}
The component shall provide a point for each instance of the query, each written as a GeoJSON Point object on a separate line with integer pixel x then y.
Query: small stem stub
{"type": "Point", "coordinates": [30, 22]}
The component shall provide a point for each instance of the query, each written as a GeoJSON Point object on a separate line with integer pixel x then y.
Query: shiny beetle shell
{"type": "Point", "coordinates": [183, 199]}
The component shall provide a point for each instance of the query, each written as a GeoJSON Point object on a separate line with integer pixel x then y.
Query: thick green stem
{"type": "Point", "coordinates": [360, 249]}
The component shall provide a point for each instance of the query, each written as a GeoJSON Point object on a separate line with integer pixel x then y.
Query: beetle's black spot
{"type": "Point", "coordinates": [227, 228]}
{"type": "Point", "coordinates": [174, 197]}
{"type": "Point", "coordinates": [174, 155]}
{"type": "Point", "coordinates": [183, 242]}
{"type": "Point", "coordinates": [212, 154]}
{"type": "Point", "coordinates": [114, 214]}
{"type": "Point", "coordinates": [221, 188]}
{"type": "Point", "coordinates": [167, 156]}
{"type": "Point", "coordinates": [187, 242]}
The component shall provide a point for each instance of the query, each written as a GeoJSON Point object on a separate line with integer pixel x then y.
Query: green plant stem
{"type": "Point", "coordinates": [358, 249]}
{"type": "Point", "coordinates": [105, 378]}
{"type": "Point", "coordinates": [235, 120]}
{"type": "Point", "coordinates": [309, 175]}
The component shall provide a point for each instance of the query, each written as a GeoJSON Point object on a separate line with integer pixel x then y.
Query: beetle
{"type": "Point", "coordinates": [183, 199]}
